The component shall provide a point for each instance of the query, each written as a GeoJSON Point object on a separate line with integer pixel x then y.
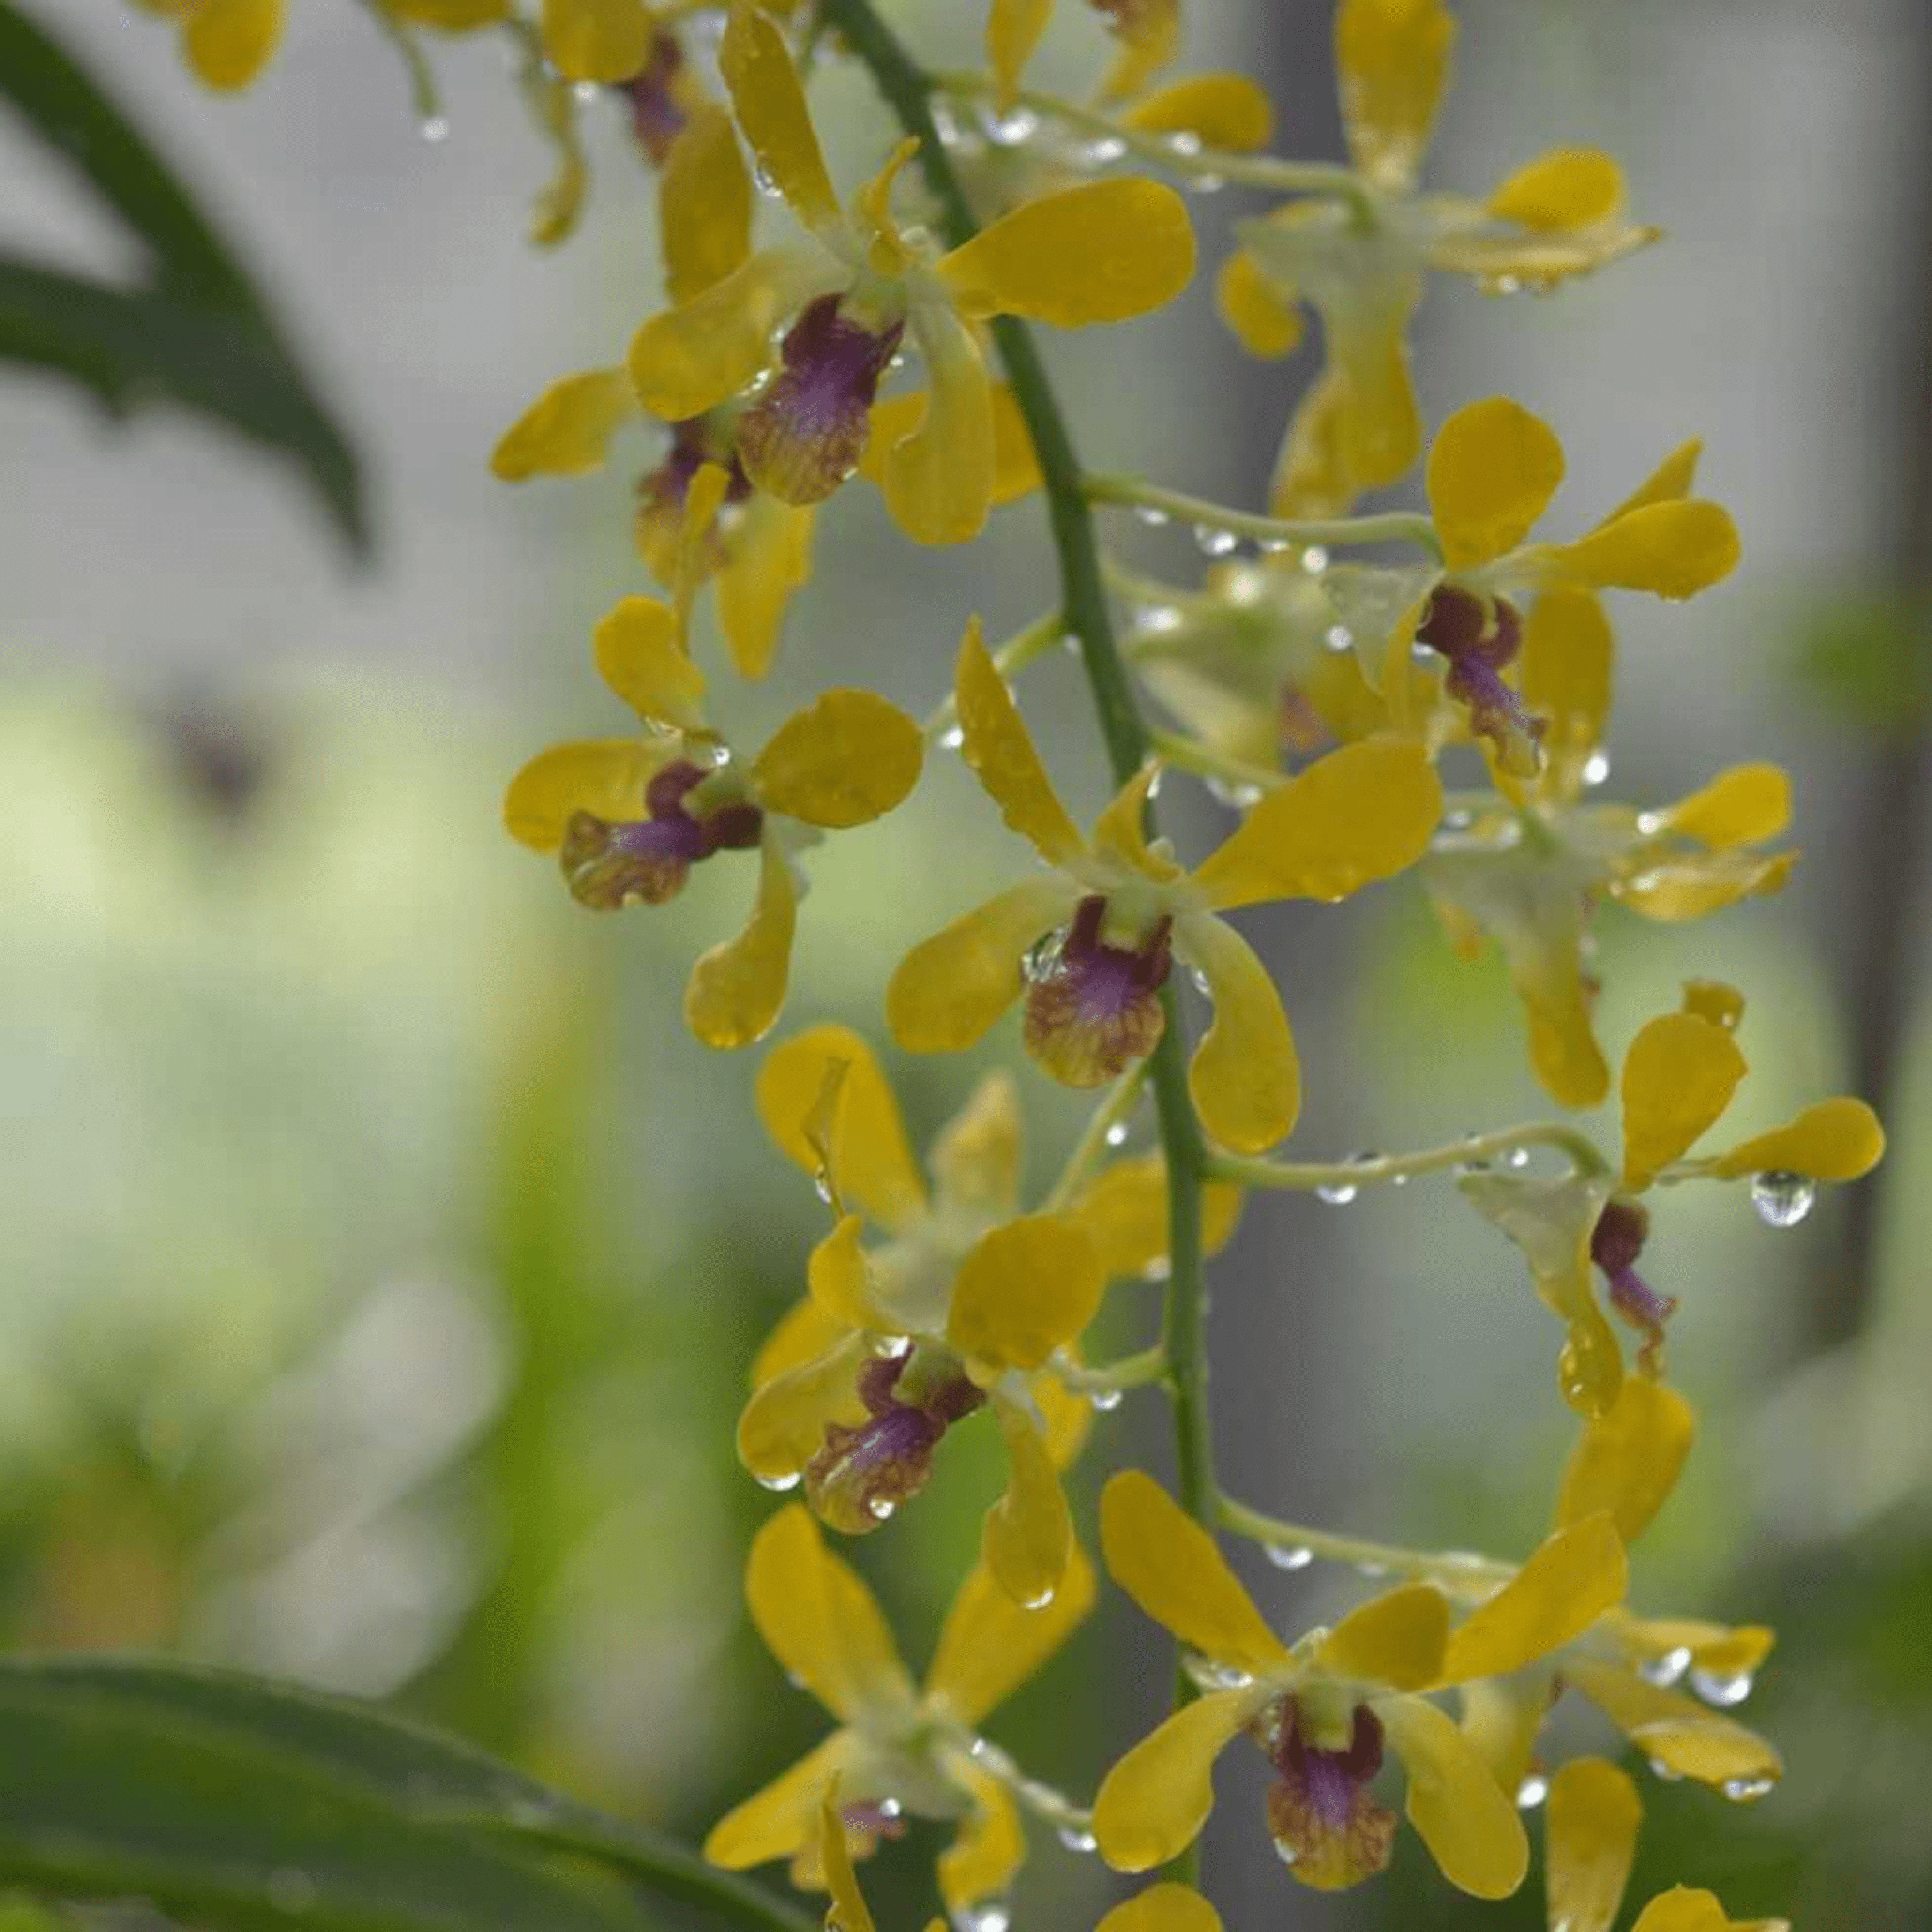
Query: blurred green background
{"type": "Point", "coordinates": [384, 1258]}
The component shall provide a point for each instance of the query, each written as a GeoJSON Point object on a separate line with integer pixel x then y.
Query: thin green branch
{"type": "Point", "coordinates": [1461, 1573]}
{"type": "Point", "coordinates": [1008, 659]}
{"type": "Point", "coordinates": [1392, 527]}
{"type": "Point", "coordinates": [1372, 1170]}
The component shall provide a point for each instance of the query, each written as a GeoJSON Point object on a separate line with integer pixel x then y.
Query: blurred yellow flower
{"type": "Point", "coordinates": [226, 43]}
{"type": "Point", "coordinates": [1148, 31]}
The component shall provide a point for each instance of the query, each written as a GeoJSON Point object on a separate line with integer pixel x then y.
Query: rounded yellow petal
{"type": "Point", "coordinates": [603, 776]}
{"type": "Point", "coordinates": [996, 744]}
{"type": "Point", "coordinates": [989, 1846]}
{"type": "Point", "coordinates": [950, 989]}
{"type": "Point", "coordinates": [1026, 1539]}
{"type": "Point", "coordinates": [1104, 252]}
{"type": "Point", "coordinates": [228, 43]}
{"type": "Point", "coordinates": [849, 1911]}
{"type": "Point", "coordinates": [848, 759]}
{"type": "Point", "coordinates": [690, 359]}
{"type": "Point", "coordinates": [1013, 29]}
{"type": "Point", "coordinates": [757, 70]}
{"type": "Point", "coordinates": [1266, 323]}
{"type": "Point", "coordinates": [840, 1282]}
{"type": "Point", "coordinates": [1022, 1291]}
{"type": "Point", "coordinates": [1171, 1567]}
{"type": "Point", "coordinates": [1395, 1639]}
{"type": "Point", "coordinates": [766, 562]}
{"type": "Point", "coordinates": [1683, 1908]}
{"type": "Point", "coordinates": [1626, 1463]}
{"type": "Point", "coordinates": [1377, 425]}
{"type": "Point", "coordinates": [783, 1425]}
{"type": "Point", "coordinates": [1152, 1804]}
{"type": "Point", "coordinates": [596, 39]}
{"type": "Point", "coordinates": [938, 478]}
{"type": "Point", "coordinates": [1245, 1079]}
{"type": "Point", "coordinates": [779, 1821]}
{"type": "Point", "coordinates": [1392, 62]}
{"type": "Point", "coordinates": [1678, 1077]}
{"type": "Point", "coordinates": [1227, 111]}
{"type": "Point", "coordinates": [801, 1334]}
{"type": "Point", "coordinates": [1492, 470]}
{"type": "Point", "coordinates": [1471, 1827]}
{"type": "Point", "coordinates": [1365, 812]}
{"type": "Point", "coordinates": [1678, 1732]}
{"type": "Point", "coordinates": [1162, 1908]}
{"type": "Point", "coordinates": [1744, 804]}
{"type": "Point", "coordinates": [1568, 1582]}
{"type": "Point", "coordinates": [1569, 187]}
{"type": "Point", "coordinates": [1831, 1140]}
{"type": "Point", "coordinates": [1590, 1829]}
{"type": "Point", "coordinates": [1125, 1213]}
{"type": "Point", "coordinates": [737, 990]}
{"type": "Point", "coordinates": [567, 429]}
{"type": "Point", "coordinates": [704, 205]}
{"type": "Point", "coordinates": [639, 647]}
{"type": "Point", "coordinates": [1671, 549]}
{"type": "Point", "coordinates": [871, 1157]}
{"type": "Point", "coordinates": [1568, 654]}
{"type": "Point", "coordinates": [990, 1646]}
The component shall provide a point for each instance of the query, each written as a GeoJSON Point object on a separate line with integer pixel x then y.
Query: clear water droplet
{"type": "Point", "coordinates": [1215, 540]}
{"type": "Point", "coordinates": [944, 125]}
{"type": "Point", "coordinates": [1104, 152]}
{"type": "Point", "coordinates": [1010, 129]}
{"type": "Point", "coordinates": [1746, 1790]}
{"type": "Point", "coordinates": [585, 92]}
{"type": "Point", "coordinates": [1152, 515]}
{"type": "Point", "coordinates": [1070, 642]}
{"type": "Point", "coordinates": [1476, 1163]}
{"type": "Point", "coordinates": [1105, 1400]}
{"type": "Point", "coordinates": [766, 185]}
{"type": "Point", "coordinates": [1287, 1853]}
{"type": "Point", "coordinates": [1041, 960]}
{"type": "Point", "coordinates": [1338, 638]}
{"type": "Point", "coordinates": [952, 738]}
{"type": "Point", "coordinates": [1185, 145]}
{"type": "Point", "coordinates": [1725, 1689]}
{"type": "Point", "coordinates": [1502, 285]}
{"type": "Point", "coordinates": [1531, 1792]}
{"type": "Point", "coordinates": [290, 1890]}
{"type": "Point", "coordinates": [779, 1484]}
{"type": "Point", "coordinates": [890, 1807]}
{"type": "Point", "coordinates": [1237, 797]}
{"type": "Point", "coordinates": [1289, 1556]}
{"type": "Point", "coordinates": [1314, 559]}
{"type": "Point", "coordinates": [1038, 1600]}
{"type": "Point", "coordinates": [1596, 766]}
{"type": "Point", "coordinates": [435, 128]}
{"type": "Point", "coordinates": [1783, 1200]}
{"type": "Point", "coordinates": [1664, 1773]}
{"type": "Point", "coordinates": [1207, 184]}
{"type": "Point", "coordinates": [988, 1915]}
{"type": "Point", "coordinates": [1650, 824]}
{"type": "Point", "coordinates": [1421, 653]}
{"type": "Point", "coordinates": [1517, 1157]}
{"type": "Point", "coordinates": [1158, 618]}
{"type": "Point", "coordinates": [1202, 984]}
{"type": "Point", "coordinates": [881, 1506]}
{"type": "Point", "coordinates": [1667, 1670]}
{"type": "Point", "coordinates": [1337, 1193]}
{"type": "Point", "coordinates": [1368, 1567]}
{"type": "Point", "coordinates": [821, 1185]}
{"type": "Point", "coordinates": [1078, 1838]}
{"type": "Point", "coordinates": [1117, 1134]}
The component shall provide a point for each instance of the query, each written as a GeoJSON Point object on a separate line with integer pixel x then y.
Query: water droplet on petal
{"type": "Point", "coordinates": [1041, 960]}
{"type": "Point", "coordinates": [1185, 145]}
{"type": "Point", "coordinates": [1369, 1567]}
{"type": "Point", "coordinates": [1117, 1134]}
{"type": "Point", "coordinates": [1338, 638]}
{"type": "Point", "coordinates": [1596, 767]}
{"type": "Point", "coordinates": [890, 1807]}
{"type": "Point", "coordinates": [1202, 984]}
{"type": "Point", "coordinates": [1725, 1689]}
{"type": "Point", "coordinates": [1151, 515]}
{"type": "Point", "coordinates": [1650, 824]}
{"type": "Point", "coordinates": [1107, 150]}
{"type": "Point", "coordinates": [990, 1914]}
{"type": "Point", "coordinates": [1664, 1773]}
{"type": "Point", "coordinates": [1039, 1600]}
{"type": "Point", "coordinates": [1287, 1853]}
{"type": "Point", "coordinates": [435, 127]}
{"type": "Point", "coordinates": [952, 738]}
{"type": "Point", "coordinates": [1105, 1400]}
{"type": "Point", "coordinates": [882, 1507]}
{"type": "Point", "coordinates": [1516, 1157]}
{"type": "Point", "coordinates": [1009, 130]}
{"type": "Point", "coordinates": [1531, 1792]}
{"type": "Point", "coordinates": [1237, 797]}
{"type": "Point", "coordinates": [1783, 1200]}
{"type": "Point", "coordinates": [1337, 1193]}
{"type": "Point", "coordinates": [1314, 559]}
{"type": "Point", "coordinates": [1289, 1556]}
{"type": "Point", "coordinates": [1213, 540]}
{"type": "Point", "coordinates": [585, 92]}
{"type": "Point", "coordinates": [1746, 1790]}
{"type": "Point", "coordinates": [1207, 184]}
{"type": "Point", "coordinates": [779, 1484]}
{"type": "Point", "coordinates": [821, 1185]}
{"type": "Point", "coordinates": [1078, 1838]}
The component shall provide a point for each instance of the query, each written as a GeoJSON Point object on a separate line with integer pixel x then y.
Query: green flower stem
{"type": "Point", "coordinates": [424, 98]}
{"type": "Point", "coordinates": [1190, 755]}
{"type": "Point", "coordinates": [1176, 153]}
{"type": "Point", "coordinates": [1302, 1175]}
{"type": "Point", "coordinates": [1136, 1371]}
{"type": "Point", "coordinates": [1458, 1572]}
{"type": "Point", "coordinates": [1117, 1103]}
{"type": "Point", "coordinates": [908, 89]}
{"type": "Point", "coordinates": [1042, 1800]}
{"type": "Point", "coordinates": [1393, 527]}
{"type": "Point", "coordinates": [1010, 658]}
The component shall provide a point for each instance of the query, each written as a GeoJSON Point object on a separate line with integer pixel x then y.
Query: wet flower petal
{"type": "Point", "coordinates": [802, 1334]}
{"type": "Point", "coordinates": [1152, 1804]}
{"type": "Point", "coordinates": [567, 429]}
{"type": "Point", "coordinates": [1267, 324]}
{"type": "Point", "coordinates": [778, 1820]}
{"type": "Point", "coordinates": [758, 70]}
{"type": "Point", "coordinates": [1120, 831]}
{"type": "Point", "coordinates": [1104, 252]}
{"type": "Point", "coordinates": [639, 651]}
{"type": "Point", "coordinates": [1569, 187]}
{"type": "Point", "coordinates": [1683, 1908]}
{"type": "Point", "coordinates": [1172, 1568]}
{"type": "Point", "coordinates": [1492, 470]}
{"type": "Point", "coordinates": [1567, 1583]}
{"type": "Point", "coordinates": [840, 1283]}
{"type": "Point", "coordinates": [939, 478]}
{"type": "Point", "coordinates": [1591, 1828]}
{"type": "Point", "coordinates": [1395, 1639]}
{"type": "Point", "coordinates": [1567, 658]}
{"type": "Point", "coordinates": [849, 1911]}
{"type": "Point", "coordinates": [1245, 1077]}
{"type": "Point", "coordinates": [1022, 1289]}
{"type": "Point", "coordinates": [606, 777]}
{"type": "Point", "coordinates": [1392, 61]}
{"type": "Point", "coordinates": [989, 1846]}
{"type": "Point", "coordinates": [1831, 1140]}
{"type": "Point", "coordinates": [783, 1425]}
{"type": "Point", "coordinates": [1671, 549]}
{"type": "Point", "coordinates": [1027, 1538]}
{"type": "Point", "coordinates": [1162, 1908]}
{"type": "Point", "coordinates": [1325, 1824]}
{"type": "Point", "coordinates": [704, 205]}
{"type": "Point", "coordinates": [996, 744]}
{"type": "Point", "coordinates": [1744, 804]}
{"type": "Point", "coordinates": [1676, 1731]}
{"type": "Point", "coordinates": [596, 39]}
{"type": "Point", "coordinates": [977, 1159]}
{"type": "Point", "coordinates": [767, 560]}
{"type": "Point", "coordinates": [1626, 1461]}
{"type": "Point", "coordinates": [1228, 111]}
{"type": "Point", "coordinates": [1471, 1827]}
{"type": "Point", "coordinates": [1097, 1008]}
{"type": "Point", "coordinates": [735, 990]}
{"type": "Point", "coordinates": [1125, 1213]}
{"type": "Point", "coordinates": [1678, 1077]}
{"type": "Point", "coordinates": [989, 1646]}
{"type": "Point", "coordinates": [846, 760]}
{"type": "Point", "coordinates": [1013, 30]}
{"type": "Point", "coordinates": [949, 990]}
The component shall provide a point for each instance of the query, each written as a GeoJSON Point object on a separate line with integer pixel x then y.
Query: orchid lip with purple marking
{"type": "Point", "coordinates": [612, 863]}
{"type": "Point", "coordinates": [1098, 1008]}
{"type": "Point", "coordinates": [1480, 637]}
{"type": "Point", "coordinates": [1616, 1243]}
{"type": "Point", "coordinates": [805, 434]}
{"type": "Point", "coordinates": [862, 1474]}
{"type": "Point", "coordinates": [1327, 1827]}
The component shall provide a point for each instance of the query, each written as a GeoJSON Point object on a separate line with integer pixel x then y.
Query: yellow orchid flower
{"type": "Point", "coordinates": [1323, 1711]}
{"type": "Point", "coordinates": [901, 1750]}
{"type": "Point", "coordinates": [1118, 909]}
{"type": "Point", "coordinates": [967, 1303]}
{"type": "Point", "coordinates": [856, 285]}
{"type": "Point", "coordinates": [225, 43]}
{"type": "Point", "coordinates": [629, 818]}
{"type": "Point", "coordinates": [1678, 1078]}
{"type": "Point", "coordinates": [1362, 263]}
{"type": "Point", "coordinates": [1590, 1830]}
{"type": "Point", "coordinates": [1148, 32]}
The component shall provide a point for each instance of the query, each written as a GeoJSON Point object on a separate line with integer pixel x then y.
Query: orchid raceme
{"type": "Point", "coordinates": [1114, 910]}
{"type": "Point", "coordinates": [967, 1302]}
{"type": "Point", "coordinates": [901, 1750]}
{"type": "Point", "coordinates": [1323, 1711]}
{"type": "Point", "coordinates": [856, 285]}
{"type": "Point", "coordinates": [1678, 1078]}
{"type": "Point", "coordinates": [1362, 262]}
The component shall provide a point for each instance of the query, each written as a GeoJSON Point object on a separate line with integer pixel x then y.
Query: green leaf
{"type": "Point", "coordinates": [234, 1802]}
{"type": "Point", "coordinates": [195, 331]}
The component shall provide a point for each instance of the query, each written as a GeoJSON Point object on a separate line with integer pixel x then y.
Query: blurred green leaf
{"type": "Point", "coordinates": [195, 332]}
{"type": "Point", "coordinates": [1865, 654]}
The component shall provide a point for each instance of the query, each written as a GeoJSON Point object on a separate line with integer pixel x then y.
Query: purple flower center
{"type": "Point", "coordinates": [1325, 1824]}
{"type": "Point", "coordinates": [1480, 636]}
{"type": "Point", "coordinates": [655, 114]}
{"type": "Point", "coordinates": [1616, 1243]}
{"type": "Point", "coordinates": [610, 863]}
{"type": "Point", "coordinates": [1098, 1007]}
{"type": "Point", "coordinates": [861, 1475]}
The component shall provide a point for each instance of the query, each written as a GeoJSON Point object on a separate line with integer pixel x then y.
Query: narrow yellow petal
{"type": "Point", "coordinates": [1502, 1722]}
{"type": "Point", "coordinates": [996, 744]}
{"type": "Point", "coordinates": [989, 1646]}
{"type": "Point", "coordinates": [567, 429]}
{"type": "Point", "coordinates": [704, 205]}
{"type": "Point", "coordinates": [596, 39]}
{"type": "Point", "coordinates": [1013, 29]}
{"type": "Point", "coordinates": [1377, 424]}
{"type": "Point", "coordinates": [1471, 1827]}
{"type": "Point", "coordinates": [872, 1159]}
{"type": "Point", "coordinates": [819, 1621]}
{"type": "Point", "coordinates": [840, 1281]}
{"type": "Point", "coordinates": [781, 1820]}
{"type": "Point", "coordinates": [757, 70]}
{"type": "Point", "coordinates": [1365, 812]}
{"type": "Point", "coordinates": [1676, 1731]}
{"type": "Point", "coordinates": [1392, 62]}
{"type": "Point", "coordinates": [846, 760]}
{"type": "Point", "coordinates": [1568, 657]}
{"type": "Point", "coordinates": [1125, 1213]}
{"type": "Point", "coordinates": [1676, 890]}
{"type": "Point", "coordinates": [802, 1334]}
{"type": "Point", "coordinates": [1227, 111]}
{"type": "Point", "coordinates": [767, 560]}
{"type": "Point", "coordinates": [1626, 1461]}
{"type": "Point", "coordinates": [1162, 1908]}
{"type": "Point", "coordinates": [1744, 804]}
{"type": "Point", "coordinates": [603, 776]}
{"type": "Point", "coordinates": [1492, 470]}
{"type": "Point", "coordinates": [639, 647]}
{"type": "Point", "coordinates": [1022, 1290]}
{"type": "Point", "coordinates": [228, 43]}
{"type": "Point", "coordinates": [1683, 1908]}
{"type": "Point", "coordinates": [1245, 1078]}
{"type": "Point", "coordinates": [783, 1425]}
{"type": "Point", "coordinates": [1569, 187]}
{"type": "Point", "coordinates": [1576, 1575]}
{"type": "Point", "coordinates": [1672, 550]}
{"type": "Point", "coordinates": [1026, 1539]}
{"type": "Point", "coordinates": [1152, 1804]}
{"type": "Point", "coordinates": [950, 989]}
{"type": "Point", "coordinates": [989, 1846]}
{"type": "Point", "coordinates": [736, 989]}
{"type": "Point", "coordinates": [1171, 1567]}
{"type": "Point", "coordinates": [1266, 322]}
{"type": "Point", "coordinates": [978, 1158]}
{"type": "Point", "coordinates": [849, 1911]}
{"type": "Point", "coordinates": [1678, 1077]}
{"type": "Point", "coordinates": [1395, 1640]}
{"type": "Point", "coordinates": [1311, 476]}
{"type": "Point", "coordinates": [938, 479]}
{"type": "Point", "coordinates": [1120, 831]}
{"type": "Point", "coordinates": [1104, 252]}
{"type": "Point", "coordinates": [1830, 1140]}
{"type": "Point", "coordinates": [1590, 1829]}
{"type": "Point", "coordinates": [1675, 477]}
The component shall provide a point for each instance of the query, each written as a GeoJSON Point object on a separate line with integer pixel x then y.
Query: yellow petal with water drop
{"type": "Point", "coordinates": [1152, 1804]}
{"type": "Point", "coordinates": [735, 990]}
{"type": "Point", "coordinates": [1571, 1580]}
{"type": "Point", "coordinates": [1627, 1461]}
{"type": "Point", "coordinates": [1591, 1820]}
{"type": "Point", "coordinates": [1026, 1540]}
{"type": "Point", "coordinates": [639, 646]}
{"type": "Point", "coordinates": [1228, 111]}
{"type": "Point", "coordinates": [758, 70]}
{"type": "Point", "coordinates": [1471, 1828]}
{"type": "Point", "coordinates": [1245, 1078]}
{"type": "Point", "coordinates": [1831, 1140]}
{"type": "Point", "coordinates": [604, 40]}
{"type": "Point", "coordinates": [1678, 1077]}
{"type": "Point", "coordinates": [1392, 63]}
{"type": "Point", "coordinates": [567, 429]}
{"type": "Point", "coordinates": [1013, 30]}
